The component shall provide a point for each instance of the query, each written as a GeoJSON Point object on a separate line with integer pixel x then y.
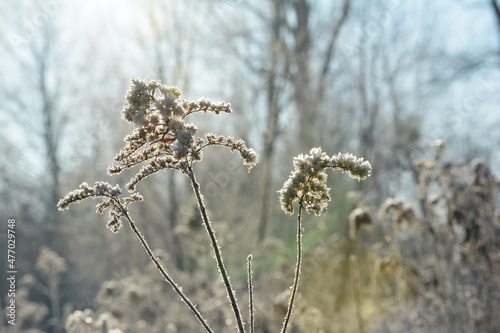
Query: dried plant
{"type": "Point", "coordinates": [443, 254]}
{"type": "Point", "coordinates": [162, 139]}
{"type": "Point", "coordinates": [307, 186]}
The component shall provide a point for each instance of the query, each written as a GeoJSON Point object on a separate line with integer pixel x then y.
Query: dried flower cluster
{"type": "Point", "coordinates": [443, 249]}
{"type": "Point", "coordinates": [359, 218]}
{"type": "Point", "coordinates": [307, 182]}
{"type": "Point", "coordinates": [117, 206]}
{"type": "Point", "coordinates": [401, 212]}
{"type": "Point", "coordinates": [49, 263]}
{"type": "Point", "coordinates": [162, 138]}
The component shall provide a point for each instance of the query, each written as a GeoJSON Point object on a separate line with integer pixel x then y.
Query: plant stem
{"type": "Point", "coordinates": [217, 251]}
{"type": "Point", "coordinates": [353, 260]}
{"type": "Point", "coordinates": [250, 294]}
{"type": "Point", "coordinates": [164, 272]}
{"type": "Point", "coordinates": [297, 271]}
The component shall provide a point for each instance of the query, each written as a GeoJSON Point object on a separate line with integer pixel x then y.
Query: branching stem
{"type": "Point", "coordinates": [164, 272]}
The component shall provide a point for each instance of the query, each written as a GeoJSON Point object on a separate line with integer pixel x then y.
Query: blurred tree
{"type": "Point", "coordinates": [33, 102]}
{"type": "Point", "coordinates": [310, 82]}
{"type": "Point", "coordinates": [280, 56]}
{"type": "Point", "coordinates": [273, 75]}
{"type": "Point", "coordinates": [496, 11]}
{"type": "Point", "coordinates": [308, 88]}
{"type": "Point", "coordinates": [32, 99]}
{"type": "Point", "coordinates": [167, 39]}
{"type": "Point", "coordinates": [397, 66]}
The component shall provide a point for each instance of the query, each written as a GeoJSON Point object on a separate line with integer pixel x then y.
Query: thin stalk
{"type": "Point", "coordinates": [250, 294]}
{"type": "Point", "coordinates": [353, 261]}
{"type": "Point", "coordinates": [165, 274]}
{"type": "Point", "coordinates": [297, 271]}
{"type": "Point", "coordinates": [217, 251]}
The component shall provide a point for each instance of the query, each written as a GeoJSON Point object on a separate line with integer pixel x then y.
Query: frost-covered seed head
{"type": "Point", "coordinates": [159, 114]}
{"type": "Point", "coordinates": [111, 200]}
{"type": "Point", "coordinates": [307, 182]}
{"type": "Point", "coordinates": [161, 139]}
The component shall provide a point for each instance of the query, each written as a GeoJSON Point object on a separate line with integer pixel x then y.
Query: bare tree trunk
{"type": "Point", "coordinates": [307, 96]}
{"type": "Point", "coordinates": [496, 9]}
{"type": "Point", "coordinates": [51, 127]}
{"type": "Point", "coordinates": [175, 74]}
{"type": "Point", "coordinates": [273, 111]}
{"type": "Point", "coordinates": [50, 140]}
{"type": "Point", "coordinates": [308, 93]}
{"type": "Point", "coordinates": [304, 101]}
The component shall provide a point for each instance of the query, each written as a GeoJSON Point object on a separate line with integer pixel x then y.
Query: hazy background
{"type": "Point", "coordinates": [379, 79]}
